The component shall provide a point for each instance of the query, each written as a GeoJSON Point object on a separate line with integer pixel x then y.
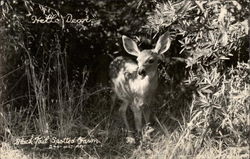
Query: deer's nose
{"type": "Point", "coordinates": [142, 72]}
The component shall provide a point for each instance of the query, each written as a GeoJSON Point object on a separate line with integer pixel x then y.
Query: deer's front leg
{"type": "Point", "coordinates": [123, 110]}
{"type": "Point", "coordinates": [137, 117]}
{"type": "Point", "coordinates": [146, 114]}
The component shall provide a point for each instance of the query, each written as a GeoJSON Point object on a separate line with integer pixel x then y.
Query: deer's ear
{"type": "Point", "coordinates": [163, 43]}
{"type": "Point", "coordinates": [130, 46]}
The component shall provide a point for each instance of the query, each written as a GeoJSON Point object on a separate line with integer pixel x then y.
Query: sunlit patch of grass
{"type": "Point", "coordinates": [8, 152]}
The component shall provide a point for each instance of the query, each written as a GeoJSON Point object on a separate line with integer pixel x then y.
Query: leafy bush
{"type": "Point", "coordinates": [214, 41]}
{"type": "Point", "coordinates": [210, 30]}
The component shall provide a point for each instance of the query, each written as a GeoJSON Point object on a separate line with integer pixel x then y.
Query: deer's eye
{"type": "Point", "coordinates": [150, 61]}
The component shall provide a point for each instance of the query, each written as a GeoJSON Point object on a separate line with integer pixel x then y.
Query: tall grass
{"type": "Point", "coordinates": [215, 121]}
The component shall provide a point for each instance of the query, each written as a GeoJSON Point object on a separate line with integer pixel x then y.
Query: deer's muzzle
{"type": "Point", "coordinates": [141, 72]}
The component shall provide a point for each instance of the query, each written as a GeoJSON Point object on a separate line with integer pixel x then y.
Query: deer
{"type": "Point", "coordinates": [135, 83]}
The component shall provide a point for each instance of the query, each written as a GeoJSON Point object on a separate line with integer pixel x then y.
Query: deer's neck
{"type": "Point", "coordinates": [153, 80]}
{"type": "Point", "coordinates": [146, 85]}
{"type": "Point", "coordinates": [153, 75]}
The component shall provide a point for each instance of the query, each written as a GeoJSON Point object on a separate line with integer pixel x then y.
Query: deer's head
{"type": "Point", "coordinates": [147, 59]}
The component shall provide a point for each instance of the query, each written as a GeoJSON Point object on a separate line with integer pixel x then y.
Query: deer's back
{"type": "Point", "coordinates": [122, 65]}
{"type": "Point", "coordinates": [121, 71]}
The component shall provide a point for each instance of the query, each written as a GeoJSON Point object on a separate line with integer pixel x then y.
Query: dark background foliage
{"type": "Point", "coordinates": [92, 47]}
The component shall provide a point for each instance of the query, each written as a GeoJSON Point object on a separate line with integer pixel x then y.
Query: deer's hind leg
{"type": "Point", "coordinates": [113, 102]}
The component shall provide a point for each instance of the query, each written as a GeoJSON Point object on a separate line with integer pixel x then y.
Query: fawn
{"type": "Point", "coordinates": [135, 83]}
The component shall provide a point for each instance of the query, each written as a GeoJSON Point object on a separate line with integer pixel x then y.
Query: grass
{"type": "Point", "coordinates": [158, 147]}
{"type": "Point", "coordinates": [204, 126]}
{"type": "Point", "coordinates": [205, 116]}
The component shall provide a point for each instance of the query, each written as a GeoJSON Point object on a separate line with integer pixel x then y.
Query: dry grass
{"type": "Point", "coordinates": [186, 136]}
{"type": "Point", "coordinates": [159, 148]}
{"type": "Point", "coordinates": [212, 121]}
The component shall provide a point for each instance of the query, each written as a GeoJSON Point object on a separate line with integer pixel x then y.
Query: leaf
{"type": "Point", "coordinates": [184, 8]}
{"type": "Point", "coordinates": [208, 91]}
{"type": "Point", "coordinates": [213, 2]}
{"type": "Point", "coordinates": [224, 38]}
{"type": "Point", "coordinates": [200, 5]}
{"type": "Point", "coordinates": [238, 6]}
{"type": "Point", "coordinates": [223, 12]}
{"type": "Point", "coordinates": [211, 35]}
{"type": "Point", "coordinates": [224, 58]}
